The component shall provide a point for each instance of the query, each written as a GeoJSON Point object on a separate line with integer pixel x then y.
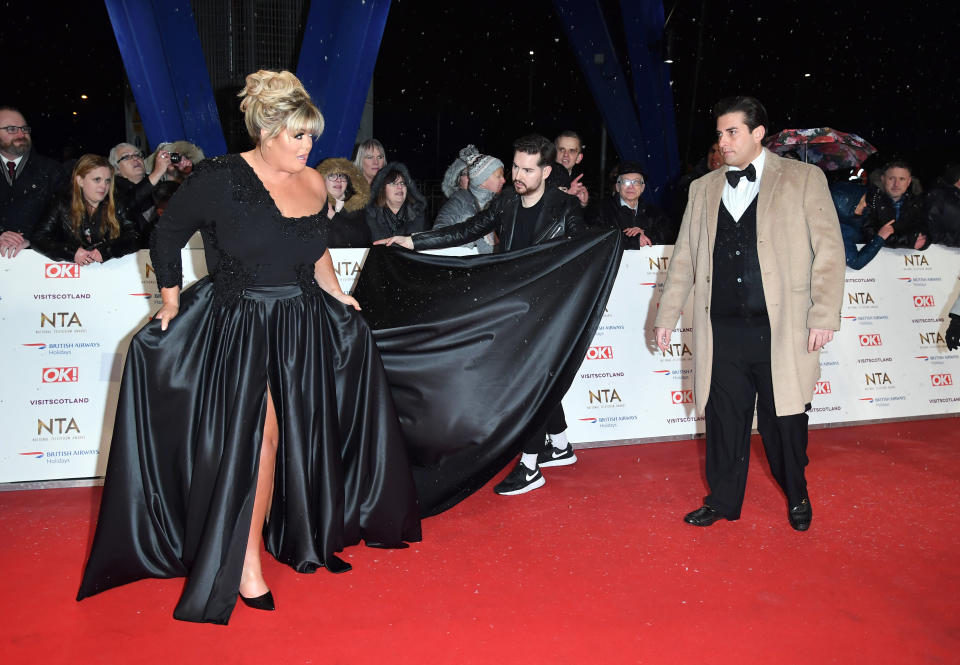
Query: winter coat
{"type": "Point", "coordinates": [802, 268]}
{"type": "Point", "coordinates": [56, 239]}
{"type": "Point", "coordinates": [943, 214]}
{"type": "Point", "coordinates": [846, 197]}
{"type": "Point", "coordinates": [411, 218]}
{"type": "Point", "coordinates": [880, 210]}
{"type": "Point", "coordinates": [361, 188]}
{"type": "Point", "coordinates": [559, 217]}
{"type": "Point", "coordinates": [461, 206]}
{"type": "Point", "coordinates": [654, 222]}
{"type": "Point", "coordinates": [23, 203]}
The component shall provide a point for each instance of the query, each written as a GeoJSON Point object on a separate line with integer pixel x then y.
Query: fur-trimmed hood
{"type": "Point", "coordinates": [359, 184]}
{"type": "Point", "coordinates": [416, 202]}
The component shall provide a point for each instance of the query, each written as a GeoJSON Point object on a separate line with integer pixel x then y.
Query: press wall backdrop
{"type": "Point", "coordinates": [64, 331]}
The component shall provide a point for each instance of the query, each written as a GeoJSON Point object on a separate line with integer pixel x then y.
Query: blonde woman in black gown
{"type": "Point", "coordinates": [254, 409]}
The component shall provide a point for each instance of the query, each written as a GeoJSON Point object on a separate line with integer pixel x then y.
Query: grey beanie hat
{"type": "Point", "coordinates": [482, 168]}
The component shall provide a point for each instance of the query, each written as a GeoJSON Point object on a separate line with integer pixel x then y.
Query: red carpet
{"type": "Point", "coordinates": [596, 567]}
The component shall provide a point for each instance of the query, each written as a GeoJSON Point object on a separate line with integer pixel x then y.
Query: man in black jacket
{"type": "Point", "coordinates": [28, 183]}
{"type": "Point", "coordinates": [530, 214]}
{"type": "Point", "coordinates": [894, 202]}
{"type": "Point", "coordinates": [642, 223]}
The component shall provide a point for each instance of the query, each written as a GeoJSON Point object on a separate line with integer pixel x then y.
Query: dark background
{"type": "Point", "coordinates": [464, 75]}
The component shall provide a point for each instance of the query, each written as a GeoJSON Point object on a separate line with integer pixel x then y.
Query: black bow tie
{"type": "Point", "coordinates": [733, 177]}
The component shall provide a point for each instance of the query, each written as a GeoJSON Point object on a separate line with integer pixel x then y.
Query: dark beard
{"type": "Point", "coordinates": [16, 150]}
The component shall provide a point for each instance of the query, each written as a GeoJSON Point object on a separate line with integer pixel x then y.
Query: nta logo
{"type": "Point", "coordinates": [677, 349]}
{"type": "Point", "coordinates": [860, 298]}
{"type": "Point", "coordinates": [60, 374]}
{"type": "Point", "coordinates": [57, 426]}
{"type": "Point", "coordinates": [870, 340]}
{"type": "Point", "coordinates": [923, 301]}
{"type": "Point", "coordinates": [659, 263]}
{"type": "Point", "coordinates": [878, 378]}
{"type": "Point", "coordinates": [600, 353]}
{"type": "Point", "coordinates": [915, 260]}
{"type": "Point", "coordinates": [934, 338]}
{"type": "Point", "coordinates": [681, 396]}
{"type": "Point", "coordinates": [605, 396]}
{"type": "Point", "coordinates": [822, 388]}
{"type": "Point", "coordinates": [941, 379]}
{"type": "Point", "coordinates": [61, 271]}
{"type": "Point", "coordinates": [60, 320]}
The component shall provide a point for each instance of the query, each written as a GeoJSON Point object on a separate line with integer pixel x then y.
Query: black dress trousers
{"type": "Point", "coordinates": [741, 378]}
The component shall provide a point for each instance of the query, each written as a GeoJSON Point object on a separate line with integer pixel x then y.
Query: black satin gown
{"type": "Point", "coordinates": [180, 483]}
{"type": "Point", "coordinates": [479, 350]}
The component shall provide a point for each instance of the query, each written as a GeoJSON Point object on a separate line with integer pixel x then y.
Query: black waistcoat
{"type": "Point", "coordinates": [737, 282]}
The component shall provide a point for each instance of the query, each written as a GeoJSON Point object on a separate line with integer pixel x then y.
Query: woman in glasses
{"type": "Point", "coordinates": [347, 190]}
{"type": "Point", "coordinates": [86, 226]}
{"type": "Point", "coordinates": [133, 186]}
{"type": "Point", "coordinates": [396, 205]}
{"type": "Point", "coordinates": [347, 195]}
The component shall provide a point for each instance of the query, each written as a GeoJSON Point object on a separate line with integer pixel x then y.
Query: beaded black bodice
{"type": "Point", "coordinates": [247, 242]}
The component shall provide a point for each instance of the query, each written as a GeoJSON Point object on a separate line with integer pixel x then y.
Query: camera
{"type": "Point", "coordinates": [175, 157]}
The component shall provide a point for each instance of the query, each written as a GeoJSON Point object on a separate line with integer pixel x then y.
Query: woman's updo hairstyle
{"type": "Point", "coordinates": [274, 101]}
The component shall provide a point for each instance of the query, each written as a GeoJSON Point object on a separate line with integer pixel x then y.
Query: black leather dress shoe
{"type": "Point", "coordinates": [800, 515]}
{"type": "Point", "coordinates": [703, 516]}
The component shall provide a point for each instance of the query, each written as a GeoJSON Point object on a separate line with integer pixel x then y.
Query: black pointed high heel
{"type": "Point", "coordinates": [264, 602]}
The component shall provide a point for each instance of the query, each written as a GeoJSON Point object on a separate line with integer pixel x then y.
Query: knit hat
{"type": "Point", "coordinates": [481, 168]}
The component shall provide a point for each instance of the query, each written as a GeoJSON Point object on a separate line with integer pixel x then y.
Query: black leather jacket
{"type": "Point", "coordinates": [560, 217]}
{"type": "Point", "coordinates": [55, 238]}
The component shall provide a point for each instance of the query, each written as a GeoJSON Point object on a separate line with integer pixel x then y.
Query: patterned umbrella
{"type": "Point", "coordinates": [827, 148]}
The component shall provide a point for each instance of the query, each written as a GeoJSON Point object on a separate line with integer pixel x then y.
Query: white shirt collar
{"type": "Point", "coordinates": [758, 163]}
{"type": "Point", "coordinates": [627, 205]}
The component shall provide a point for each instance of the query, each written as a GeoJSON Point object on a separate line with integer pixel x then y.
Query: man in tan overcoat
{"type": "Point", "coordinates": [760, 247]}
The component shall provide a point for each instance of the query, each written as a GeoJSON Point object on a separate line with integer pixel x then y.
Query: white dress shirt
{"type": "Point", "coordinates": [737, 199]}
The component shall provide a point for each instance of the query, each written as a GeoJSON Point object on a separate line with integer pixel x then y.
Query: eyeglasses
{"type": "Point", "coordinates": [13, 129]}
{"type": "Point", "coordinates": [132, 155]}
{"type": "Point", "coordinates": [398, 183]}
{"type": "Point", "coordinates": [334, 177]}
{"type": "Point", "coordinates": [630, 182]}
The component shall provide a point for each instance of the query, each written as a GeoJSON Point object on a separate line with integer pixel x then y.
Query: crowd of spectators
{"type": "Point", "coordinates": [106, 207]}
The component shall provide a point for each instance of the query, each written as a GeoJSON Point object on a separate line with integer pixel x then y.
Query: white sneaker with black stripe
{"type": "Point", "coordinates": [520, 481]}
{"type": "Point", "coordinates": [551, 456]}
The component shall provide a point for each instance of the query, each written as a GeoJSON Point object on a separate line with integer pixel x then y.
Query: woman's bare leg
{"type": "Point", "coordinates": [252, 583]}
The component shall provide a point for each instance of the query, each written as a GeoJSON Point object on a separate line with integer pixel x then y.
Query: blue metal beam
{"type": "Point", "coordinates": [640, 132]}
{"type": "Point", "coordinates": [164, 61]}
{"type": "Point", "coordinates": [643, 21]}
{"type": "Point", "coordinates": [341, 41]}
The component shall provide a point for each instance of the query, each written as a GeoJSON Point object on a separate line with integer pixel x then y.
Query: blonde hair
{"type": "Point", "coordinates": [274, 101]}
{"type": "Point", "coordinates": [109, 225]}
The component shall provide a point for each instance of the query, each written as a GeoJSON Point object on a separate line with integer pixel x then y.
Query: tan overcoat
{"type": "Point", "coordinates": [802, 265]}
